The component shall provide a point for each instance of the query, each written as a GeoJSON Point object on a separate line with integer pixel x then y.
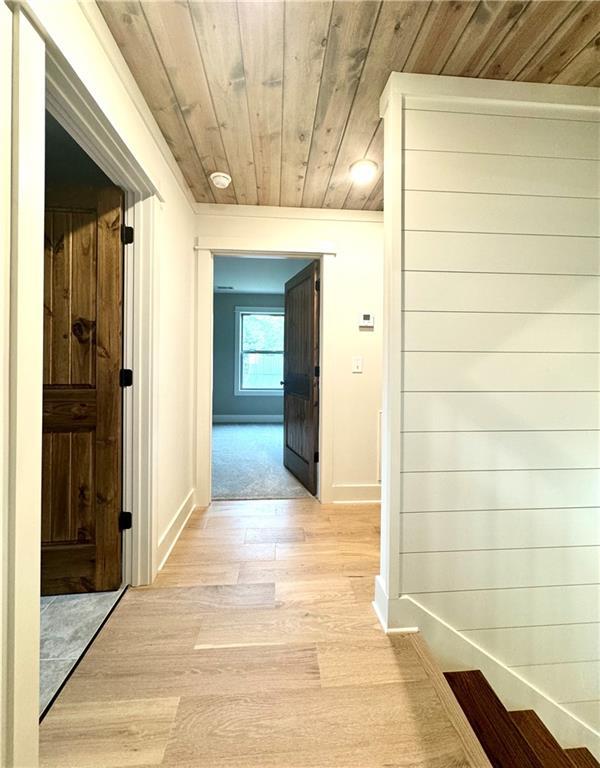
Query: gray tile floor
{"type": "Point", "coordinates": [68, 623]}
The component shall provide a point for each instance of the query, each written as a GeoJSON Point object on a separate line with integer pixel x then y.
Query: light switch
{"type": "Point", "coordinates": [357, 365]}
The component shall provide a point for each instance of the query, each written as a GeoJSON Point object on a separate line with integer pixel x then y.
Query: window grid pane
{"type": "Point", "coordinates": [262, 332]}
{"type": "Point", "coordinates": [261, 353]}
{"type": "Point", "coordinates": [262, 370]}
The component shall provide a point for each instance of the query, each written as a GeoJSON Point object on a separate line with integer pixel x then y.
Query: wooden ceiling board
{"type": "Point", "coordinates": [283, 94]}
{"type": "Point", "coordinates": [444, 24]}
{"type": "Point", "coordinates": [306, 30]}
{"type": "Point", "coordinates": [218, 34]}
{"type": "Point", "coordinates": [350, 32]}
{"type": "Point", "coordinates": [584, 68]}
{"type": "Point", "coordinates": [358, 194]}
{"type": "Point", "coordinates": [132, 34]}
{"type": "Point", "coordinates": [173, 32]}
{"type": "Point", "coordinates": [490, 22]}
{"type": "Point", "coordinates": [530, 31]}
{"type": "Point", "coordinates": [261, 30]}
{"type": "Point", "coordinates": [562, 46]}
{"type": "Point", "coordinates": [397, 27]}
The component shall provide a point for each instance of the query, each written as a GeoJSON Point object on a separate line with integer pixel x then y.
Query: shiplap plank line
{"type": "Point", "coordinates": [448, 451]}
{"type": "Point", "coordinates": [521, 646]}
{"type": "Point", "coordinates": [501, 134]}
{"type": "Point", "coordinates": [588, 711]}
{"type": "Point", "coordinates": [476, 252]}
{"type": "Point", "coordinates": [499, 411]}
{"type": "Point", "coordinates": [217, 32]}
{"type": "Point", "coordinates": [467, 172]}
{"type": "Point", "coordinates": [499, 569]}
{"type": "Point", "coordinates": [500, 372]}
{"type": "Point", "coordinates": [504, 528]}
{"type": "Point", "coordinates": [305, 42]}
{"type": "Point", "coordinates": [469, 212]}
{"type": "Point", "coordinates": [348, 42]}
{"type": "Point", "coordinates": [573, 681]}
{"type": "Point", "coordinates": [521, 607]}
{"type": "Point", "coordinates": [483, 292]}
{"type": "Point", "coordinates": [502, 332]}
{"type": "Point", "coordinates": [395, 32]}
{"type": "Point", "coordinates": [526, 489]}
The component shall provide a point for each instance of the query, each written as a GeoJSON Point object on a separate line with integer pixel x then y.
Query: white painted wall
{"type": "Point", "coordinates": [5, 209]}
{"type": "Point", "coordinates": [496, 523]}
{"type": "Point", "coordinates": [352, 283]}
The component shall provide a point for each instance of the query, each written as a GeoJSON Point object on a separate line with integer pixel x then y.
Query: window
{"type": "Point", "coordinates": [259, 351]}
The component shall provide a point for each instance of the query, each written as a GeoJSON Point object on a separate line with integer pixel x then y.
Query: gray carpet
{"type": "Point", "coordinates": [248, 463]}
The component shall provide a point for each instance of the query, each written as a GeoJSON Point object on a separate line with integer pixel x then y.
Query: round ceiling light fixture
{"type": "Point", "coordinates": [220, 179]}
{"type": "Point", "coordinates": [363, 171]}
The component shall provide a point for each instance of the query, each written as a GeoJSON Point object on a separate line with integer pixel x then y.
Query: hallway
{"type": "Point", "coordinates": [257, 647]}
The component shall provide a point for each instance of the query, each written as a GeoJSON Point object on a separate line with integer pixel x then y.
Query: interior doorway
{"type": "Point", "coordinates": [82, 441]}
{"type": "Point", "coordinates": [266, 377]}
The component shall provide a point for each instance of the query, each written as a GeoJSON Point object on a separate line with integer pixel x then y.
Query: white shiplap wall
{"type": "Point", "coordinates": [500, 452]}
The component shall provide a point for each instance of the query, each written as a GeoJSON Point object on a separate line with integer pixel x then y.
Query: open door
{"type": "Point", "coordinates": [301, 376]}
{"type": "Point", "coordinates": [81, 470]}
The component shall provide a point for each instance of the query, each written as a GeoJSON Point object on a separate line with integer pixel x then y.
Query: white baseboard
{"type": "Point", "coordinates": [454, 651]}
{"type": "Point", "coordinates": [357, 494]}
{"type": "Point", "coordinates": [169, 538]}
{"type": "Point", "coordinates": [235, 419]}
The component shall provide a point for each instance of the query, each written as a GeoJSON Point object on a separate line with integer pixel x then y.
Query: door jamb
{"type": "Point", "coordinates": [204, 363]}
{"type": "Point", "coordinates": [70, 104]}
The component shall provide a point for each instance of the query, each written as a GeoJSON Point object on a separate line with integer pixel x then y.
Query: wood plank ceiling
{"type": "Point", "coordinates": [284, 95]}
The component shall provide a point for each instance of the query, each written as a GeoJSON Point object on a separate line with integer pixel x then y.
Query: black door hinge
{"type": "Point", "coordinates": [125, 377]}
{"type": "Point", "coordinates": [126, 235]}
{"type": "Point", "coordinates": [316, 457]}
{"type": "Point", "coordinates": [125, 521]}
{"type": "Point", "coordinates": [318, 285]}
{"type": "Point", "coordinates": [317, 371]}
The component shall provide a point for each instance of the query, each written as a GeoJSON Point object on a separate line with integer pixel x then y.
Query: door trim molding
{"type": "Point", "coordinates": [205, 249]}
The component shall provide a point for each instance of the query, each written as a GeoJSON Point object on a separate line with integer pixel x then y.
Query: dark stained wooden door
{"type": "Point", "coordinates": [81, 471]}
{"type": "Point", "coordinates": [301, 376]}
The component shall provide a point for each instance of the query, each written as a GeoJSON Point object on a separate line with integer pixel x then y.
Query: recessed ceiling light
{"type": "Point", "coordinates": [220, 179]}
{"type": "Point", "coordinates": [363, 171]}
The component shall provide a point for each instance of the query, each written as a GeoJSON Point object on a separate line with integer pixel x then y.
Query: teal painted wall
{"type": "Point", "coordinates": [225, 402]}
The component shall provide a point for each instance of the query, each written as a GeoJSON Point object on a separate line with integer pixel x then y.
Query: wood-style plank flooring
{"type": "Point", "coordinates": [257, 647]}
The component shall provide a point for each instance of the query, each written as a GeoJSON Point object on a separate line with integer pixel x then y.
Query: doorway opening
{"type": "Point", "coordinates": [266, 375]}
{"type": "Point", "coordinates": [82, 441]}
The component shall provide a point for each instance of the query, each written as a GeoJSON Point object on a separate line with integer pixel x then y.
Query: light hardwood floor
{"type": "Point", "coordinates": [257, 647]}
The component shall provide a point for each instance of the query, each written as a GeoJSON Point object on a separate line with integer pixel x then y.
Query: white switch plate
{"type": "Point", "coordinates": [366, 320]}
{"type": "Point", "coordinates": [357, 365]}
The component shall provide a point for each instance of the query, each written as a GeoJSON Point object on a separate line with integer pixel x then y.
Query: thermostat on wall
{"type": "Point", "coordinates": [366, 320]}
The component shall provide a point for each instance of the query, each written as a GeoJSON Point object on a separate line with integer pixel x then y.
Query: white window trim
{"type": "Point", "coordinates": [237, 381]}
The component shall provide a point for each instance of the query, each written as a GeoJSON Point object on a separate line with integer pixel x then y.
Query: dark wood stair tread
{"type": "Point", "coordinates": [503, 742]}
{"type": "Point", "coordinates": [540, 739]}
{"type": "Point", "coordinates": [581, 757]}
